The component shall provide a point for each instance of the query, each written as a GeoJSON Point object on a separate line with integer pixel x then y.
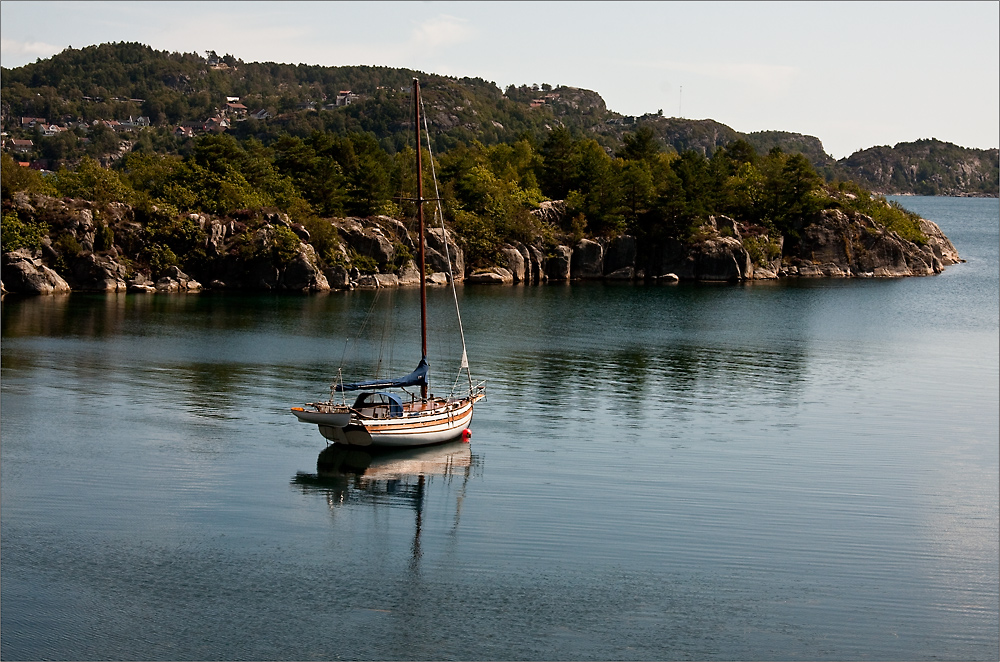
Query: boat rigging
{"type": "Point", "coordinates": [379, 417]}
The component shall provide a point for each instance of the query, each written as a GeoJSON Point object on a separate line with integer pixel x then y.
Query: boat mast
{"type": "Point", "coordinates": [420, 220]}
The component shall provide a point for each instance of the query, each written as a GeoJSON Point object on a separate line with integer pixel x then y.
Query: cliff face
{"type": "Point", "coordinates": [832, 244]}
{"type": "Point", "coordinates": [261, 252]}
{"type": "Point", "coordinates": [268, 252]}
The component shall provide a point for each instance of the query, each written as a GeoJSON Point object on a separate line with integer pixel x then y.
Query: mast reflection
{"type": "Point", "coordinates": [394, 477]}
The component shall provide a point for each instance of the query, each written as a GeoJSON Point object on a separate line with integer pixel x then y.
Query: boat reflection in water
{"type": "Point", "coordinates": [397, 477]}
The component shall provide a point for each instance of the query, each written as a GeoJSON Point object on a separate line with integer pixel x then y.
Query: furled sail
{"type": "Point", "coordinates": [416, 378]}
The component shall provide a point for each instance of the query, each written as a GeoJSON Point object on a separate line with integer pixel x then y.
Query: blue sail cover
{"type": "Point", "coordinates": [416, 378]}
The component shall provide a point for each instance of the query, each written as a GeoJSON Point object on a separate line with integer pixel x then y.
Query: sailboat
{"type": "Point", "coordinates": [379, 417]}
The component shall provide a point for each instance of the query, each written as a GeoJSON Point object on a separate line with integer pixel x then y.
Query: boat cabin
{"type": "Point", "coordinates": [379, 405]}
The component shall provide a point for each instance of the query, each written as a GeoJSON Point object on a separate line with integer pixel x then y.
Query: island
{"type": "Point", "coordinates": [194, 179]}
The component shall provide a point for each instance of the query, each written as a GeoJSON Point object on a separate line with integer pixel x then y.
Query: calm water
{"type": "Point", "coordinates": [798, 470]}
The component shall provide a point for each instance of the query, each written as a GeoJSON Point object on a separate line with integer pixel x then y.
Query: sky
{"type": "Point", "coordinates": [853, 74]}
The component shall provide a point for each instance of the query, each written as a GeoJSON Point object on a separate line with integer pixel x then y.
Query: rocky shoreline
{"type": "Point", "coordinates": [237, 253]}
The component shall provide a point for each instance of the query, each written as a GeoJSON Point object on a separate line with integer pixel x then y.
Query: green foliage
{"type": "Point", "coordinates": [598, 191]}
{"type": "Point", "coordinates": [104, 238]}
{"type": "Point", "coordinates": [119, 80]}
{"type": "Point", "coordinates": [246, 248]}
{"type": "Point", "coordinates": [890, 215]}
{"type": "Point", "coordinates": [762, 250]}
{"type": "Point", "coordinates": [284, 244]}
{"type": "Point", "coordinates": [155, 177]}
{"type": "Point", "coordinates": [484, 187]}
{"type": "Point", "coordinates": [636, 187]}
{"type": "Point", "coordinates": [364, 263]}
{"type": "Point", "coordinates": [640, 145]}
{"type": "Point", "coordinates": [170, 238]}
{"type": "Point", "coordinates": [15, 233]}
{"type": "Point", "coordinates": [323, 238]}
{"type": "Point", "coordinates": [479, 236]}
{"type": "Point", "coordinates": [224, 177]}
{"type": "Point", "coordinates": [92, 182]}
{"type": "Point", "coordinates": [368, 172]}
{"type": "Point", "coordinates": [159, 257]}
{"type": "Point", "coordinates": [401, 256]}
{"type": "Point", "coordinates": [557, 164]}
{"type": "Point", "coordinates": [219, 176]}
{"type": "Point", "coordinates": [67, 244]}
{"type": "Point", "coordinates": [14, 178]}
{"type": "Point", "coordinates": [313, 166]}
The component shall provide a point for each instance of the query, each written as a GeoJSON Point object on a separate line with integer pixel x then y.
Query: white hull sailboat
{"type": "Point", "coordinates": [382, 418]}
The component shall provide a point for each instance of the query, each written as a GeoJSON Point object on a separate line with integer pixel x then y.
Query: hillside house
{"type": "Point", "coordinates": [20, 146]}
{"type": "Point", "coordinates": [261, 114]}
{"type": "Point", "coordinates": [217, 124]}
{"type": "Point", "coordinates": [236, 109]}
{"type": "Point", "coordinates": [30, 122]}
{"type": "Point", "coordinates": [346, 98]}
{"type": "Point", "coordinates": [49, 130]}
{"type": "Point", "coordinates": [114, 125]}
{"type": "Point", "coordinates": [192, 128]}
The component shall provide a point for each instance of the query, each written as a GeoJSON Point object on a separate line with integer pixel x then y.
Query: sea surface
{"type": "Point", "coordinates": [775, 471]}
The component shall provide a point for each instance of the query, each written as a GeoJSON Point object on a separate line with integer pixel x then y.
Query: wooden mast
{"type": "Point", "coordinates": [420, 220]}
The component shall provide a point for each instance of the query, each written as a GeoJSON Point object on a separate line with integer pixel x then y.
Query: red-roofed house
{"type": "Point", "coordinates": [21, 146]}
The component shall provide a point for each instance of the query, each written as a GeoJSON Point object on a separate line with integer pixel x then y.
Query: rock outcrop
{"type": "Point", "coordinates": [367, 239]}
{"type": "Point", "coordinates": [552, 212]}
{"type": "Point", "coordinates": [113, 248]}
{"type": "Point", "coordinates": [515, 262]}
{"type": "Point", "coordinates": [496, 275]}
{"type": "Point", "coordinates": [558, 264]}
{"type": "Point", "coordinates": [175, 280]}
{"type": "Point", "coordinates": [89, 272]}
{"type": "Point", "coordinates": [837, 244]}
{"type": "Point", "coordinates": [716, 259]}
{"type": "Point", "coordinates": [435, 256]}
{"type": "Point", "coordinates": [24, 273]}
{"type": "Point", "coordinates": [620, 256]}
{"type": "Point", "coordinates": [304, 273]}
{"type": "Point", "coordinates": [587, 260]}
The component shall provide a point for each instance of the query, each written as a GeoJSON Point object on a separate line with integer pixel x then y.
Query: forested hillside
{"type": "Point", "coordinates": [303, 171]}
{"type": "Point", "coordinates": [118, 82]}
{"type": "Point", "coordinates": [109, 100]}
